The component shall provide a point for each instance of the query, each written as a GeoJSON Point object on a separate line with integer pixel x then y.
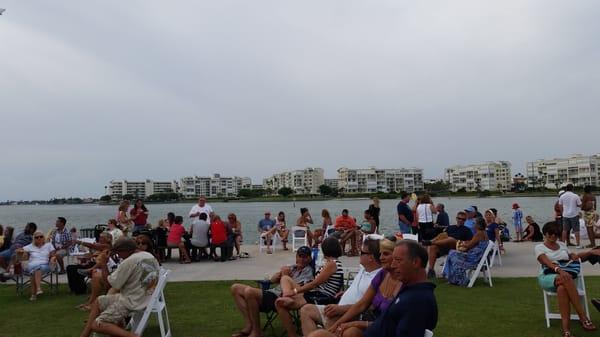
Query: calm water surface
{"type": "Point", "coordinates": [249, 213]}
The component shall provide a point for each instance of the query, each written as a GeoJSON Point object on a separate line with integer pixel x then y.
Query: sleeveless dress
{"type": "Point", "coordinates": [457, 263]}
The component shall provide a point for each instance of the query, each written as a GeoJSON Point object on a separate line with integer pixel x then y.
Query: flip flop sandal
{"type": "Point", "coordinates": [587, 325]}
{"type": "Point", "coordinates": [244, 255]}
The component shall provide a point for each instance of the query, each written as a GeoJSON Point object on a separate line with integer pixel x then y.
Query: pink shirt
{"type": "Point", "coordinates": [175, 234]}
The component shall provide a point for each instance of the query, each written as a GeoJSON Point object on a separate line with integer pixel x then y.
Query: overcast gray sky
{"type": "Point", "coordinates": [150, 89]}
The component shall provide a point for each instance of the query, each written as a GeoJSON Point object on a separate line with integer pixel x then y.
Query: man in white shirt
{"type": "Point", "coordinates": [311, 314]}
{"type": "Point", "coordinates": [201, 207]}
{"type": "Point", "coordinates": [570, 204]}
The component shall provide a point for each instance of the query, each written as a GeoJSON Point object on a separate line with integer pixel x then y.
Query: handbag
{"type": "Point", "coordinates": [569, 266]}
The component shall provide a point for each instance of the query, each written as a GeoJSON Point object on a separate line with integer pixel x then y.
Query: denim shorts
{"type": "Point", "coordinates": [571, 224]}
{"type": "Point", "coordinates": [404, 228]}
{"type": "Point", "coordinates": [45, 268]}
{"type": "Point", "coordinates": [7, 254]}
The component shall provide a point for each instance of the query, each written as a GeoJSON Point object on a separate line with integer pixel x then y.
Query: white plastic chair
{"type": "Point", "coordinates": [297, 236]}
{"type": "Point", "coordinates": [483, 266]}
{"type": "Point", "coordinates": [328, 231]}
{"type": "Point", "coordinates": [495, 252]}
{"type": "Point", "coordinates": [263, 237]}
{"type": "Point", "coordinates": [414, 237]}
{"type": "Point", "coordinates": [428, 333]}
{"type": "Point", "coordinates": [158, 305]}
{"type": "Point", "coordinates": [582, 297]}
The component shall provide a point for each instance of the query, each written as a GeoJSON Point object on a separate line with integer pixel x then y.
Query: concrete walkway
{"type": "Point", "coordinates": [517, 262]}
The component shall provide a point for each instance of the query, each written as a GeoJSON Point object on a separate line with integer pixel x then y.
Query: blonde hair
{"type": "Point", "coordinates": [386, 244]}
{"type": "Point", "coordinates": [375, 201]}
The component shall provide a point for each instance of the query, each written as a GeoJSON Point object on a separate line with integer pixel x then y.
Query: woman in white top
{"type": "Point", "coordinates": [40, 254]}
{"type": "Point", "coordinates": [425, 212]}
{"type": "Point", "coordinates": [124, 220]}
{"type": "Point", "coordinates": [557, 280]}
{"type": "Point", "coordinates": [114, 231]}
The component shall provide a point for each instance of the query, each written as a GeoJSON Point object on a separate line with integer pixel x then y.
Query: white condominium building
{"type": "Point", "coordinates": [578, 170]}
{"type": "Point", "coordinates": [488, 176]}
{"type": "Point", "coordinates": [139, 189]}
{"type": "Point", "coordinates": [333, 183]}
{"type": "Point", "coordinates": [305, 181]}
{"type": "Point", "coordinates": [372, 180]}
{"type": "Point", "coordinates": [215, 186]}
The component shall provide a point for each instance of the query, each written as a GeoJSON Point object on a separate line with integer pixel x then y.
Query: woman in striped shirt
{"type": "Point", "coordinates": [328, 282]}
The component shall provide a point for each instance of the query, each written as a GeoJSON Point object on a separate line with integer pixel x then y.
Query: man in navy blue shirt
{"type": "Point", "coordinates": [415, 309]}
{"type": "Point", "coordinates": [405, 214]}
{"type": "Point", "coordinates": [440, 246]}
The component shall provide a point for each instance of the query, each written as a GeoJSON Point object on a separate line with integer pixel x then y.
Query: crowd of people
{"type": "Point", "coordinates": [393, 274]}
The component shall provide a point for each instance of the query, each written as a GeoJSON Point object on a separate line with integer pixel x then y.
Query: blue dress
{"type": "Point", "coordinates": [457, 263]}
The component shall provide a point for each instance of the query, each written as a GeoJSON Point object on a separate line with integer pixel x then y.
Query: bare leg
{"type": "Point", "coordinates": [432, 253]}
{"type": "Point", "coordinates": [61, 263]}
{"type": "Point", "coordinates": [564, 307]}
{"type": "Point", "coordinates": [283, 306]}
{"type": "Point", "coordinates": [253, 298]}
{"type": "Point", "coordinates": [237, 291]}
{"type": "Point", "coordinates": [321, 333]}
{"type": "Point", "coordinates": [111, 330]}
{"type": "Point", "coordinates": [309, 237]}
{"type": "Point", "coordinates": [309, 316]}
{"type": "Point", "coordinates": [37, 277]}
{"type": "Point", "coordinates": [238, 240]}
{"type": "Point", "coordinates": [97, 287]}
{"type": "Point", "coordinates": [94, 312]}
{"type": "Point", "coordinates": [573, 295]}
{"type": "Point", "coordinates": [577, 240]}
{"type": "Point", "coordinates": [183, 252]}
{"type": "Point", "coordinates": [565, 236]}
{"type": "Point", "coordinates": [353, 332]}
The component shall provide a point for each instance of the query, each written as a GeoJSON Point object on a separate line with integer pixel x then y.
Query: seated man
{"type": "Point", "coordinates": [325, 315]}
{"type": "Point", "coordinates": [266, 229]}
{"type": "Point", "coordinates": [199, 240]}
{"type": "Point", "coordinates": [346, 229]}
{"type": "Point", "coordinates": [61, 239]}
{"type": "Point", "coordinates": [251, 301]}
{"type": "Point", "coordinates": [442, 244]}
{"type": "Point", "coordinates": [415, 309]}
{"type": "Point", "coordinates": [134, 280]}
{"type": "Point", "coordinates": [21, 240]}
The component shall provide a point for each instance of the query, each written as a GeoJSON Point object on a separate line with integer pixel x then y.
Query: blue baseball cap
{"type": "Point", "coordinates": [470, 209]}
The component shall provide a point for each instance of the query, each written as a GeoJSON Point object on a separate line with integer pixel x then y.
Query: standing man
{"type": "Point", "coordinates": [133, 280]}
{"type": "Point", "coordinates": [62, 241]}
{"type": "Point", "coordinates": [266, 228]}
{"type": "Point", "coordinates": [201, 207]}
{"type": "Point", "coordinates": [405, 214]}
{"type": "Point", "coordinates": [569, 204]}
{"type": "Point", "coordinates": [588, 206]}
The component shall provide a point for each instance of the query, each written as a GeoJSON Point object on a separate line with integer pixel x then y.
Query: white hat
{"type": "Point", "coordinates": [561, 192]}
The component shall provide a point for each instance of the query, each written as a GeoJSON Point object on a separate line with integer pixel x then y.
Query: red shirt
{"type": "Point", "coordinates": [175, 234]}
{"type": "Point", "coordinates": [218, 232]}
{"type": "Point", "coordinates": [140, 219]}
{"type": "Point", "coordinates": [345, 223]}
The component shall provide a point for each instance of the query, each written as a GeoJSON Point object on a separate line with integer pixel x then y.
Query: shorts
{"type": "Point", "coordinates": [45, 268]}
{"type": "Point", "coordinates": [267, 304]}
{"type": "Point", "coordinates": [112, 310]}
{"type": "Point", "coordinates": [404, 228]}
{"type": "Point", "coordinates": [571, 224]}
{"type": "Point", "coordinates": [546, 282]}
{"type": "Point", "coordinates": [172, 245]}
{"type": "Point", "coordinates": [588, 217]}
{"type": "Point", "coordinates": [61, 252]}
{"type": "Point", "coordinates": [443, 251]}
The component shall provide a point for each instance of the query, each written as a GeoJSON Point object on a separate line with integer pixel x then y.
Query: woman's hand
{"type": "Point", "coordinates": [562, 277]}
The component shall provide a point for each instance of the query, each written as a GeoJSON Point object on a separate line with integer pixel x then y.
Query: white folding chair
{"type": "Point", "coordinates": [483, 266]}
{"type": "Point", "coordinates": [414, 237]}
{"type": "Point", "coordinates": [299, 234]}
{"type": "Point", "coordinates": [428, 333]}
{"type": "Point", "coordinates": [158, 305]}
{"type": "Point", "coordinates": [495, 252]}
{"type": "Point", "coordinates": [328, 231]}
{"type": "Point", "coordinates": [582, 297]}
{"type": "Point", "coordinates": [262, 241]}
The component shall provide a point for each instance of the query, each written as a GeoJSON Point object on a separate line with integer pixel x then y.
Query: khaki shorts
{"type": "Point", "coordinates": [61, 252]}
{"type": "Point", "coordinates": [112, 310]}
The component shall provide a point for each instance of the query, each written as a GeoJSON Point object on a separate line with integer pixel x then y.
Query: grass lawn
{"type": "Point", "coordinates": [513, 307]}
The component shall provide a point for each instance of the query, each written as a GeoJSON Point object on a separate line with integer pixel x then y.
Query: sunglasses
{"type": "Point", "coordinates": [364, 253]}
{"type": "Point", "coordinates": [39, 237]}
{"type": "Point", "coordinates": [463, 219]}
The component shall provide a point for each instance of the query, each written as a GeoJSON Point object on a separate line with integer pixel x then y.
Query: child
{"type": "Point", "coordinates": [160, 236]}
{"type": "Point", "coordinates": [518, 221]}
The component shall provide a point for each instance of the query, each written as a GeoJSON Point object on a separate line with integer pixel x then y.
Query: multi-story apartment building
{"type": "Point", "coordinates": [488, 176]}
{"type": "Point", "coordinates": [305, 181]}
{"type": "Point", "coordinates": [333, 183]}
{"type": "Point", "coordinates": [215, 186]}
{"type": "Point", "coordinates": [139, 189]}
{"type": "Point", "coordinates": [372, 180]}
{"type": "Point", "coordinates": [577, 169]}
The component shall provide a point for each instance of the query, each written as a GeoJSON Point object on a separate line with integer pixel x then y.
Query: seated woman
{"type": "Point", "coordinates": [532, 232]}
{"type": "Point", "coordinates": [8, 236]}
{"type": "Point", "coordinates": [492, 228]}
{"type": "Point", "coordinates": [251, 301]}
{"type": "Point", "coordinates": [174, 240]}
{"type": "Point", "coordinates": [218, 238]}
{"type": "Point", "coordinates": [282, 229]}
{"type": "Point", "coordinates": [553, 278]}
{"type": "Point", "coordinates": [236, 232]}
{"type": "Point", "coordinates": [466, 256]}
{"type": "Point", "coordinates": [305, 220]}
{"type": "Point", "coordinates": [329, 280]}
{"type": "Point", "coordinates": [376, 299]}
{"type": "Point", "coordinates": [76, 273]}
{"type": "Point", "coordinates": [368, 225]}
{"type": "Point", "coordinates": [41, 256]}
{"type": "Point", "coordinates": [115, 232]}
